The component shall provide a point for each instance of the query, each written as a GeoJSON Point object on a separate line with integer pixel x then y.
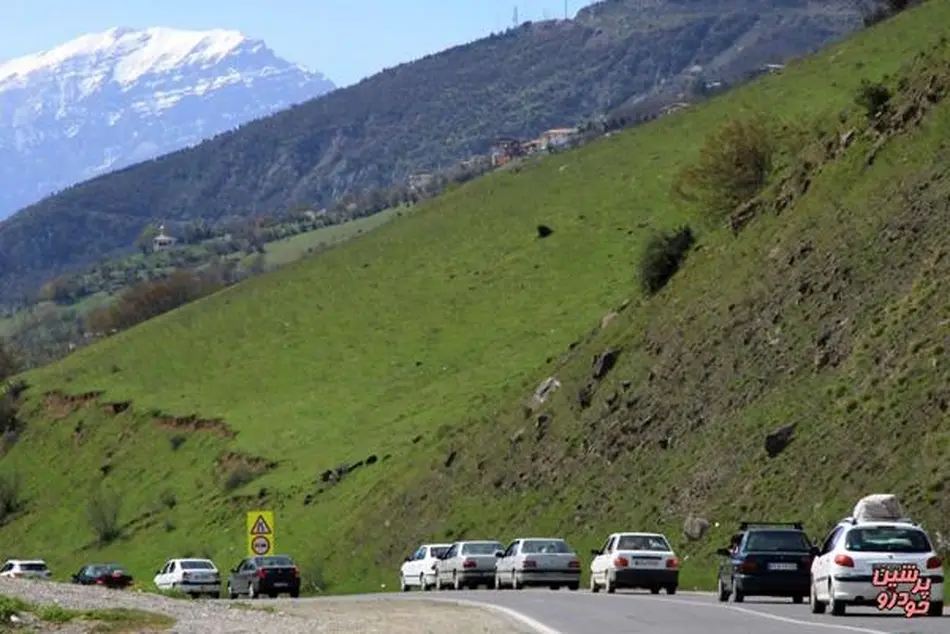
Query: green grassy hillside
{"type": "Point", "coordinates": [413, 349]}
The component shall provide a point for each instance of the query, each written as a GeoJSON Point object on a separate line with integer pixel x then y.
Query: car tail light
{"type": "Point", "coordinates": [261, 573]}
{"type": "Point", "coordinates": [844, 560]}
{"type": "Point", "coordinates": [673, 563]}
{"type": "Point", "coordinates": [934, 562]}
{"type": "Point", "coordinates": [748, 566]}
{"type": "Point", "coordinates": [574, 563]}
{"type": "Point", "coordinates": [469, 563]}
{"type": "Point", "coordinates": [621, 562]}
{"type": "Point", "coordinates": [529, 563]}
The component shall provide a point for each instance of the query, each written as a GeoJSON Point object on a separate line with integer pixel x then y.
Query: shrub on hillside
{"type": "Point", "coordinates": [11, 499]}
{"type": "Point", "coordinates": [733, 166]}
{"type": "Point", "coordinates": [152, 298]}
{"type": "Point", "coordinates": [9, 365]}
{"type": "Point", "coordinates": [874, 98]}
{"type": "Point", "coordinates": [662, 257]}
{"type": "Point", "coordinates": [103, 515]}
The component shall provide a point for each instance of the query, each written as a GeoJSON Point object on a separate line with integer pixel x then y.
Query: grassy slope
{"type": "Point", "coordinates": [441, 324]}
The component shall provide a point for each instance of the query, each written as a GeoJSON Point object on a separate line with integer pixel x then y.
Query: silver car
{"type": "Point", "coordinates": [538, 561]}
{"type": "Point", "coordinates": [468, 565]}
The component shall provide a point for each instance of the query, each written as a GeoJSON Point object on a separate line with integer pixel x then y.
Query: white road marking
{"type": "Point", "coordinates": [774, 617]}
{"type": "Point", "coordinates": [535, 625]}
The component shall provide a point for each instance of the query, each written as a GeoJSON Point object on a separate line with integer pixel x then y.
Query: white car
{"type": "Point", "coordinates": [635, 560]}
{"type": "Point", "coordinates": [841, 574]}
{"type": "Point", "coordinates": [25, 569]}
{"type": "Point", "coordinates": [418, 569]}
{"type": "Point", "coordinates": [538, 561]}
{"type": "Point", "coordinates": [468, 565]}
{"type": "Point", "coordinates": [192, 576]}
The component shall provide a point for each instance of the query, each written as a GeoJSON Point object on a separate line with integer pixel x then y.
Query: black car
{"type": "Point", "coordinates": [271, 575]}
{"type": "Point", "coordinates": [767, 559]}
{"type": "Point", "coordinates": [108, 575]}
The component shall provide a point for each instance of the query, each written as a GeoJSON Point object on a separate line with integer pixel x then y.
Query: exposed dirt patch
{"type": "Point", "coordinates": [61, 405]}
{"type": "Point", "coordinates": [193, 423]}
{"type": "Point", "coordinates": [236, 460]}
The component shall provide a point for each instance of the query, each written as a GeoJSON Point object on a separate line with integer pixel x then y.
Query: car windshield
{"type": "Point", "coordinates": [196, 564]}
{"type": "Point", "coordinates": [776, 541]}
{"type": "Point", "coordinates": [33, 567]}
{"type": "Point", "coordinates": [482, 548]}
{"type": "Point", "coordinates": [644, 542]}
{"type": "Point", "coordinates": [438, 551]}
{"type": "Point", "coordinates": [274, 562]}
{"type": "Point", "coordinates": [545, 546]}
{"type": "Point", "coordinates": [888, 539]}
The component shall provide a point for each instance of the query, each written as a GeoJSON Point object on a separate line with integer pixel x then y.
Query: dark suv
{"type": "Point", "coordinates": [271, 575]}
{"type": "Point", "coordinates": [766, 559]}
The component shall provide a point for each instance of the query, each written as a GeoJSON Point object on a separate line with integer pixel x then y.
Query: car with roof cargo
{"type": "Point", "coordinates": [25, 569]}
{"type": "Point", "coordinates": [468, 564]}
{"type": "Point", "coordinates": [873, 541]}
{"type": "Point", "coordinates": [419, 569]}
{"type": "Point", "coordinates": [538, 561]}
{"type": "Point", "coordinates": [196, 577]}
{"type": "Point", "coordinates": [271, 575]}
{"type": "Point", "coordinates": [635, 560]}
{"type": "Point", "coordinates": [107, 575]}
{"type": "Point", "coordinates": [766, 559]}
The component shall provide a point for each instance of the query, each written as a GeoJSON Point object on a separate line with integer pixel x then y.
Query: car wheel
{"type": "Point", "coordinates": [573, 587]}
{"type": "Point", "coordinates": [798, 599]}
{"type": "Point", "coordinates": [738, 596]}
{"type": "Point", "coordinates": [655, 590]}
{"type": "Point", "coordinates": [721, 591]}
{"type": "Point", "coordinates": [838, 608]}
{"type": "Point", "coordinates": [593, 583]}
{"type": "Point", "coordinates": [817, 607]}
{"type": "Point", "coordinates": [671, 589]}
{"type": "Point", "coordinates": [935, 609]}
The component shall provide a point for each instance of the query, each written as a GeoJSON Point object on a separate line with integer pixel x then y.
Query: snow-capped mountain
{"type": "Point", "coordinates": [104, 101]}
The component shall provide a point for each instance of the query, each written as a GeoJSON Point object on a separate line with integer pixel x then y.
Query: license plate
{"type": "Point", "coordinates": [643, 563]}
{"type": "Point", "coordinates": [783, 566]}
{"type": "Point", "coordinates": [280, 584]}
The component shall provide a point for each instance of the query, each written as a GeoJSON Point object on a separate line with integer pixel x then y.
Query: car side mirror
{"type": "Point", "coordinates": [725, 552]}
{"type": "Point", "coordinates": [499, 554]}
{"type": "Point", "coordinates": [595, 552]}
{"type": "Point", "coordinates": [814, 551]}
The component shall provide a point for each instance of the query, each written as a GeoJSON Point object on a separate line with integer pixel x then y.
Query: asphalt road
{"type": "Point", "coordinates": [580, 612]}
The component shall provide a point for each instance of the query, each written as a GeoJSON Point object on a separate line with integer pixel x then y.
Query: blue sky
{"type": "Point", "coordinates": [345, 39]}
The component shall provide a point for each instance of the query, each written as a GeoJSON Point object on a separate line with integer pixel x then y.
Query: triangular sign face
{"type": "Point", "coordinates": [260, 527]}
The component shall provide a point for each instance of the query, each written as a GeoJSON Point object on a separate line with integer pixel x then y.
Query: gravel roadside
{"type": "Point", "coordinates": [280, 616]}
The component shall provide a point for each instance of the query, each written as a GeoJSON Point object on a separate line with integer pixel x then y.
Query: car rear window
{"type": "Point", "coordinates": [438, 551]}
{"type": "Point", "coordinates": [487, 548]}
{"type": "Point", "coordinates": [33, 567]}
{"type": "Point", "coordinates": [273, 562]}
{"type": "Point", "coordinates": [777, 541]}
{"type": "Point", "coordinates": [197, 565]}
{"type": "Point", "coordinates": [644, 542]}
{"type": "Point", "coordinates": [887, 539]}
{"type": "Point", "coordinates": [545, 546]}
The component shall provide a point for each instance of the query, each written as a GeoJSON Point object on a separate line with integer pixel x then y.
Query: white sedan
{"type": "Point", "coordinates": [538, 561]}
{"type": "Point", "coordinates": [635, 560]}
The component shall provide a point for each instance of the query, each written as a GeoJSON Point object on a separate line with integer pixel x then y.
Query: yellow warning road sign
{"type": "Point", "coordinates": [260, 533]}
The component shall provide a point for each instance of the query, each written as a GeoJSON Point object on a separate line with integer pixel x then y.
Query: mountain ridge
{"type": "Point", "coordinates": [103, 101]}
{"type": "Point", "coordinates": [436, 110]}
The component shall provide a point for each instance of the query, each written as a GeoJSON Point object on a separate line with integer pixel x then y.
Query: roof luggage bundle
{"type": "Point", "coordinates": [879, 507]}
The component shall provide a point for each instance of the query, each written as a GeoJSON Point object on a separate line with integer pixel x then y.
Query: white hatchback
{"type": "Point", "coordinates": [25, 569]}
{"type": "Point", "coordinates": [854, 552]}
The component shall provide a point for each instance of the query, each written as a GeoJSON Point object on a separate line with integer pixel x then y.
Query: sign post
{"type": "Point", "coordinates": [260, 533]}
